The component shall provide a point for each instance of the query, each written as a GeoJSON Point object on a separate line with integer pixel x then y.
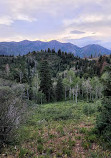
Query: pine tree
{"type": "Point", "coordinates": [46, 82]}
{"type": "Point", "coordinates": [104, 119]}
{"type": "Point", "coordinates": [59, 52]}
{"type": "Point", "coordinates": [59, 90]}
{"type": "Point", "coordinates": [29, 76]}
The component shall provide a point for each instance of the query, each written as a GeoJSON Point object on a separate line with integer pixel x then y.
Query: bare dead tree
{"type": "Point", "coordinates": [12, 109]}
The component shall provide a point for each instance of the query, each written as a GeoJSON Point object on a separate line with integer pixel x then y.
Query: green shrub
{"type": "Point", "coordinates": [78, 137]}
{"type": "Point", "coordinates": [83, 130]}
{"type": "Point", "coordinates": [71, 143]}
{"type": "Point", "coordinates": [52, 136]}
{"type": "Point", "coordinates": [40, 148]}
{"type": "Point", "coordinates": [89, 109]}
{"type": "Point", "coordinates": [25, 153]}
{"type": "Point", "coordinates": [39, 140]}
{"type": "Point", "coordinates": [67, 152]}
{"type": "Point", "coordinates": [49, 150]}
{"type": "Point", "coordinates": [22, 153]}
{"type": "Point", "coordinates": [86, 145]}
{"type": "Point", "coordinates": [92, 138]}
{"type": "Point", "coordinates": [60, 130]}
{"type": "Point", "coordinates": [58, 154]}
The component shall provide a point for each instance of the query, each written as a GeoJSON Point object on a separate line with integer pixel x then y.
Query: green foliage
{"type": "Point", "coordinates": [57, 114]}
{"type": "Point", "coordinates": [22, 153]}
{"type": "Point", "coordinates": [46, 82]}
{"type": "Point", "coordinates": [39, 140]}
{"type": "Point", "coordinates": [71, 143]}
{"type": "Point", "coordinates": [89, 109]}
{"type": "Point", "coordinates": [49, 150]}
{"type": "Point", "coordinates": [60, 130]}
{"type": "Point", "coordinates": [78, 137]}
{"type": "Point", "coordinates": [83, 130]}
{"type": "Point", "coordinates": [98, 154]}
{"type": "Point", "coordinates": [40, 148]}
{"type": "Point", "coordinates": [59, 90]}
{"type": "Point", "coordinates": [86, 145]}
{"type": "Point", "coordinates": [91, 138]}
{"type": "Point", "coordinates": [66, 151]}
{"type": "Point", "coordinates": [104, 119]}
{"type": "Point", "coordinates": [59, 154]}
{"type": "Point", "coordinates": [25, 153]}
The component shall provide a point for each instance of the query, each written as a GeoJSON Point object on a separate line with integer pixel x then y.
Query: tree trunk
{"type": "Point", "coordinates": [70, 93]}
{"type": "Point", "coordinates": [96, 93]}
{"type": "Point", "coordinates": [20, 77]}
{"type": "Point", "coordinates": [73, 94]}
{"type": "Point", "coordinates": [90, 95]}
{"type": "Point", "coordinates": [65, 93]}
{"type": "Point", "coordinates": [41, 99]}
{"type": "Point", "coordinates": [82, 93]}
{"type": "Point", "coordinates": [87, 95]}
{"type": "Point", "coordinates": [76, 92]}
{"type": "Point", "coordinates": [27, 93]}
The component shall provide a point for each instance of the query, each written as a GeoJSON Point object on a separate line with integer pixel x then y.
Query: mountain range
{"type": "Point", "coordinates": [24, 47]}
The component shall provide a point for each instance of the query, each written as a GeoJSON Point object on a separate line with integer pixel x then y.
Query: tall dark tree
{"type": "Point", "coordinates": [59, 90]}
{"type": "Point", "coordinates": [104, 119]}
{"type": "Point", "coordinates": [29, 76]}
{"type": "Point", "coordinates": [49, 51]}
{"type": "Point", "coordinates": [46, 82]}
{"type": "Point", "coordinates": [59, 52]}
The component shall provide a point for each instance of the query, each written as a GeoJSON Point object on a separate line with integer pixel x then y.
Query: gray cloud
{"type": "Point", "coordinates": [77, 32]}
{"type": "Point", "coordinates": [84, 41]}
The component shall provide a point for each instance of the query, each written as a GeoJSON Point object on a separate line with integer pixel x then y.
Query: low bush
{"type": "Point", "coordinates": [40, 148]}
{"type": "Point", "coordinates": [89, 109]}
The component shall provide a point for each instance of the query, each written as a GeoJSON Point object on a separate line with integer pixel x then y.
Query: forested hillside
{"type": "Point", "coordinates": [47, 97]}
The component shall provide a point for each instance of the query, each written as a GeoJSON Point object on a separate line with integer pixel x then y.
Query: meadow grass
{"type": "Point", "coordinates": [61, 129]}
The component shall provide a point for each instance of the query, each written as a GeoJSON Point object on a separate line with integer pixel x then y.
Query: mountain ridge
{"type": "Point", "coordinates": [25, 46]}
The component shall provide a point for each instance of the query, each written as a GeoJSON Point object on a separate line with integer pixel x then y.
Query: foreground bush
{"type": "Point", "coordinates": [12, 108]}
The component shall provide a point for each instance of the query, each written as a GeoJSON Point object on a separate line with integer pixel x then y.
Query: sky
{"type": "Point", "coordinates": [80, 22]}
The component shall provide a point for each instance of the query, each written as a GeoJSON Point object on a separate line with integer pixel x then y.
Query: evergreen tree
{"type": "Point", "coordinates": [29, 89]}
{"type": "Point", "coordinates": [46, 82]}
{"type": "Point", "coordinates": [59, 52]}
{"type": "Point", "coordinates": [104, 119]}
{"type": "Point", "coordinates": [49, 51]}
{"type": "Point", "coordinates": [59, 90]}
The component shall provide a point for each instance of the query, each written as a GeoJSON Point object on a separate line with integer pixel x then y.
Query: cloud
{"type": "Point", "coordinates": [24, 18]}
{"type": "Point", "coordinates": [6, 20]}
{"type": "Point", "coordinates": [87, 19]}
{"type": "Point", "coordinates": [84, 41]}
{"type": "Point", "coordinates": [11, 11]}
{"type": "Point", "coordinates": [77, 32]}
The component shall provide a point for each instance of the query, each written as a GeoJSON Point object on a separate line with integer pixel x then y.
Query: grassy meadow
{"type": "Point", "coordinates": [63, 129]}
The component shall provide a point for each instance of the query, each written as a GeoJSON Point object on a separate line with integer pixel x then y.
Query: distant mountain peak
{"type": "Point", "coordinates": [25, 41]}
{"type": "Point", "coordinates": [54, 41]}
